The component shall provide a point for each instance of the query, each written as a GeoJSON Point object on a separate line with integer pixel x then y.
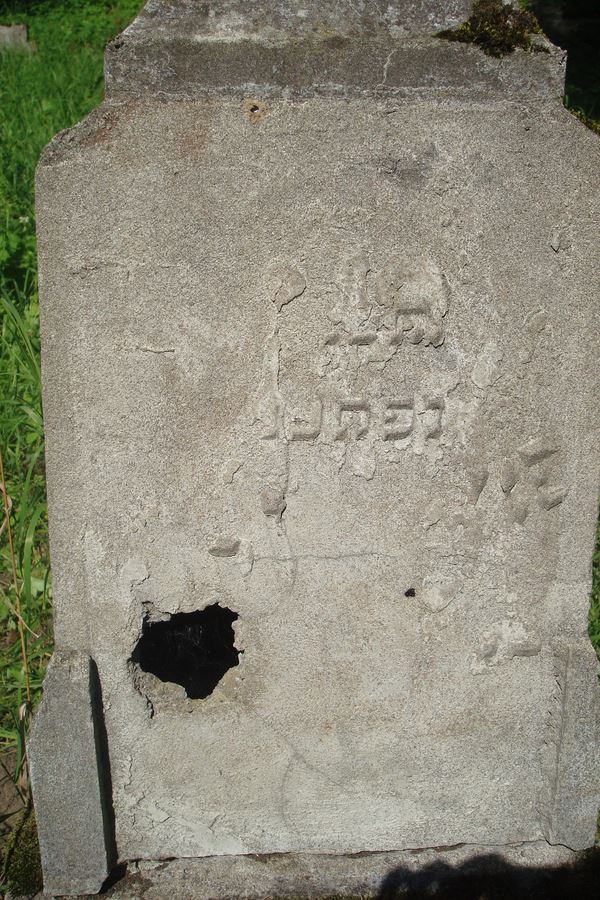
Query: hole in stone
{"type": "Point", "coordinates": [410, 592]}
{"type": "Point", "coordinates": [191, 649]}
{"type": "Point", "coordinates": [254, 108]}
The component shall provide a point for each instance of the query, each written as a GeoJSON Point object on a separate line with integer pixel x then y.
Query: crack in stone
{"type": "Point", "coordinates": [562, 681]}
{"type": "Point", "coordinates": [156, 349]}
{"type": "Point", "coordinates": [386, 67]}
{"type": "Point", "coordinates": [331, 557]}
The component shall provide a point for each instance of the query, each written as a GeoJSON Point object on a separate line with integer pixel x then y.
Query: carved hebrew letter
{"type": "Point", "coordinates": [345, 412]}
{"type": "Point", "coordinates": [435, 334]}
{"type": "Point", "coordinates": [437, 406]}
{"type": "Point", "coordinates": [416, 334]}
{"type": "Point", "coordinates": [298, 431]}
{"type": "Point", "coordinates": [363, 339]}
{"type": "Point", "coordinates": [398, 421]}
{"type": "Point", "coordinates": [271, 413]}
{"type": "Point", "coordinates": [416, 292]}
{"type": "Point", "coordinates": [353, 281]}
{"type": "Point", "coordinates": [406, 316]}
{"type": "Point", "coordinates": [536, 451]}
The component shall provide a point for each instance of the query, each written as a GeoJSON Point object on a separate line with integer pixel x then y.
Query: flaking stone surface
{"type": "Point", "coordinates": [528, 867]}
{"type": "Point", "coordinates": [355, 340]}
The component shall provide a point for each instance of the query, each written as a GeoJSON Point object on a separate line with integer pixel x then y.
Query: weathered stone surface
{"type": "Point", "coordinates": [70, 779]}
{"type": "Point", "coordinates": [292, 49]}
{"type": "Point", "coordinates": [524, 868]}
{"type": "Point", "coordinates": [328, 357]}
{"type": "Point", "coordinates": [14, 37]}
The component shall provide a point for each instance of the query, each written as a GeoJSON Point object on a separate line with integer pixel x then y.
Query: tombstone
{"type": "Point", "coordinates": [14, 37]}
{"type": "Point", "coordinates": [320, 348]}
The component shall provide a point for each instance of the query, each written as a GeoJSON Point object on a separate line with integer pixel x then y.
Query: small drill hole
{"type": "Point", "coordinates": [410, 592]}
{"type": "Point", "coordinates": [254, 108]}
{"type": "Point", "coordinates": [191, 649]}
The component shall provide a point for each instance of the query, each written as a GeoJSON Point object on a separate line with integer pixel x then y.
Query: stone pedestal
{"type": "Point", "coordinates": [320, 351]}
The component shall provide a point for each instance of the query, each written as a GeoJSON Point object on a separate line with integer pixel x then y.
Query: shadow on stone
{"type": "Point", "coordinates": [492, 878]}
{"type": "Point", "coordinates": [103, 764]}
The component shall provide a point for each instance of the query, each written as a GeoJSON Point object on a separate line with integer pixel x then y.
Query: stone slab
{"type": "Point", "coordinates": [328, 359]}
{"type": "Point", "coordinates": [366, 520]}
{"type": "Point", "coordinates": [292, 49]}
{"type": "Point", "coordinates": [270, 20]}
{"type": "Point", "coordinates": [66, 761]}
{"type": "Point", "coordinates": [533, 870]}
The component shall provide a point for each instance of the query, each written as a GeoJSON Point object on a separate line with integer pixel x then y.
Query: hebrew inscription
{"type": "Point", "coordinates": [353, 418]}
{"type": "Point", "coordinates": [526, 479]}
{"type": "Point", "coordinates": [403, 303]}
{"type": "Point", "coordinates": [414, 334]}
{"type": "Point", "coordinates": [352, 415]}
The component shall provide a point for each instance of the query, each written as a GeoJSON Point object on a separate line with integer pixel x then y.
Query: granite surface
{"type": "Point", "coordinates": [327, 358]}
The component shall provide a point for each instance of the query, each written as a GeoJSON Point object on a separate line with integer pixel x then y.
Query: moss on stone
{"type": "Point", "coordinates": [497, 28]}
{"type": "Point", "coordinates": [23, 867]}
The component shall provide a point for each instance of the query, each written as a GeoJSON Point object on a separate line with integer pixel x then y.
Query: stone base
{"type": "Point", "coordinates": [526, 870]}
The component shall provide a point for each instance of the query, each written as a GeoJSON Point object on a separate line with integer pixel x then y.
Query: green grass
{"type": "Point", "coordinates": [40, 94]}
{"type": "Point", "coordinates": [22, 446]}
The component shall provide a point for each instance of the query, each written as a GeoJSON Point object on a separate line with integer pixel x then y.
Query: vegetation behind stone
{"type": "Point", "coordinates": [22, 866]}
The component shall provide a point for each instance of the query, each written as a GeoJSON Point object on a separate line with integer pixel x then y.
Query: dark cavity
{"type": "Point", "coordinates": [191, 649]}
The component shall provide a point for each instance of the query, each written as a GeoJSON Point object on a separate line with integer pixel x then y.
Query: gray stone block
{"type": "Point", "coordinates": [320, 875]}
{"type": "Point", "coordinates": [273, 49]}
{"type": "Point", "coordinates": [70, 779]}
{"type": "Point", "coordinates": [14, 37]}
{"type": "Point", "coordinates": [320, 347]}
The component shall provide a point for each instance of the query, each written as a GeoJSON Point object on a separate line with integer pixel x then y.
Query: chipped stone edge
{"type": "Point", "coordinates": [314, 875]}
{"type": "Point", "coordinates": [181, 66]}
{"type": "Point", "coordinates": [68, 758]}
